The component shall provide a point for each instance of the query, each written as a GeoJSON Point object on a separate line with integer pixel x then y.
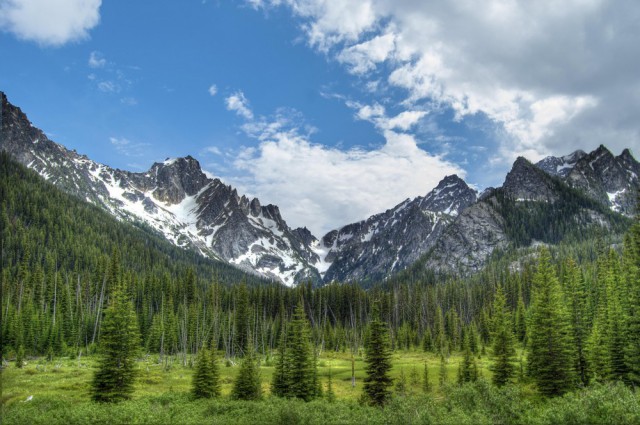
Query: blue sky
{"type": "Point", "coordinates": [332, 110]}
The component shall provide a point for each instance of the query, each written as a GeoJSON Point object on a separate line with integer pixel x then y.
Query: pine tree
{"type": "Point", "coordinates": [576, 293]}
{"type": "Point", "coordinates": [206, 379]}
{"type": "Point", "coordinates": [378, 362]}
{"type": "Point", "coordinates": [521, 320]}
{"type": "Point", "coordinates": [119, 345]}
{"type": "Point", "coordinates": [300, 367]}
{"type": "Point", "coordinates": [442, 373]}
{"type": "Point", "coordinates": [551, 355]}
{"type": "Point", "coordinates": [20, 357]}
{"type": "Point", "coordinates": [503, 350]}
{"type": "Point", "coordinates": [247, 384]}
{"type": "Point", "coordinates": [279, 384]}
{"type": "Point", "coordinates": [468, 370]}
{"type": "Point", "coordinates": [631, 255]}
{"type": "Point", "coordinates": [426, 384]}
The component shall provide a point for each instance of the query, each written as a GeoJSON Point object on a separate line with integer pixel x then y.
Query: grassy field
{"type": "Point", "coordinates": [69, 379]}
{"type": "Point", "coordinates": [57, 392]}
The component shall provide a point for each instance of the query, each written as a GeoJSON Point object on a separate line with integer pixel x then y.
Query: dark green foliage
{"type": "Point", "coordinates": [20, 357]}
{"type": "Point", "coordinates": [206, 378]}
{"type": "Point", "coordinates": [426, 383]}
{"type": "Point", "coordinates": [119, 344]}
{"type": "Point", "coordinates": [631, 261]}
{"type": "Point", "coordinates": [576, 294]}
{"type": "Point", "coordinates": [295, 374]}
{"type": "Point", "coordinates": [503, 341]}
{"type": "Point", "coordinates": [442, 371]}
{"type": "Point", "coordinates": [551, 355]}
{"type": "Point", "coordinates": [468, 370]}
{"type": "Point", "coordinates": [247, 384]}
{"type": "Point", "coordinates": [378, 362]}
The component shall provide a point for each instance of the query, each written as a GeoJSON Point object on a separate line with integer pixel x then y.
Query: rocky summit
{"type": "Point", "coordinates": [450, 229]}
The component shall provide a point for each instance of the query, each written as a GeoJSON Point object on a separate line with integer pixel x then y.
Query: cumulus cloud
{"type": "Point", "coordinates": [239, 104]}
{"type": "Point", "coordinates": [213, 90]}
{"type": "Point", "coordinates": [49, 22]}
{"type": "Point", "coordinates": [326, 187]}
{"type": "Point", "coordinates": [553, 76]}
{"type": "Point", "coordinates": [96, 60]}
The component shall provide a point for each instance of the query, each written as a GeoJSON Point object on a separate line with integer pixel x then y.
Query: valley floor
{"type": "Point", "coordinates": [57, 392]}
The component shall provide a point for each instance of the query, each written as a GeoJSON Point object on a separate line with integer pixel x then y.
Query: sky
{"type": "Point", "coordinates": [333, 110]}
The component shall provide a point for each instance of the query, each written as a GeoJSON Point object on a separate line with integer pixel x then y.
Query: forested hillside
{"type": "Point", "coordinates": [548, 318]}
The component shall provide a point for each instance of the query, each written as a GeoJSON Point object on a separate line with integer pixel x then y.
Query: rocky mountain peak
{"type": "Point", "coordinates": [177, 178]}
{"type": "Point", "coordinates": [525, 182]}
{"type": "Point", "coordinates": [450, 196]}
{"type": "Point", "coordinates": [560, 166]}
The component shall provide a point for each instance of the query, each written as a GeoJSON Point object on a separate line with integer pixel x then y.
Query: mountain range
{"type": "Point", "coordinates": [451, 229]}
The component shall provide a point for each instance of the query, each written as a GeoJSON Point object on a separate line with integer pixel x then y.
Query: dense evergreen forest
{"type": "Point", "coordinates": [560, 317]}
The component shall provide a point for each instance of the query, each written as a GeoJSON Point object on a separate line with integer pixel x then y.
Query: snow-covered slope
{"type": "Point", "coordinates": [176, 199]}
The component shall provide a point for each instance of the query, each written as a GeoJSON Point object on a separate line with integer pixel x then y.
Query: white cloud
{"type": "Point", "coordinates": [240, 105]}
{"type": "Point", "coordinates": [96, 60]}
{"type": "Point", "coordinates": [324, 188]}
{"type": "Point", "coordinates": [377, 115]}
{"type": "Point", "coordinates": [49, 22]}
{"type": "Point", "coordinates": [108, 87]}
{"type": "Point", "coordinates": [213, 90]}
{"type": "Point", "coordinates": [554, 76]}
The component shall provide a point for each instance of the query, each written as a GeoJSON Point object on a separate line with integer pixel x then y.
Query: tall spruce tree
{"type": "Point", "coordinates": [576, 294]}
{"type": "Point", "coordinates": [503, 341]}
{"type": "Point", "coordinates": [468, 370]}
{"type": "Point", "coordinates": [300, 368]}
{"type": "Point", "coordinates": [378, 362]}
{"type": "Point", "coordinates": [206, 379]}
{"type": "Point", "coordinates": [295, 374]}
{"type": "Point", "coordinates": [550, 344]}
{"type": "Point", "coordinates": [631, 256]}
{"type": "Point", "coordinates": [119, 344]}
{"type": "Point", "coordinates": [247, 384]}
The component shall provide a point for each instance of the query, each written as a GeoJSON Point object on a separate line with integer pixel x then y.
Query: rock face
{"type": "Point", "coordinates": [611, 180]}
{"type": "Point", "coordinates": [560, 166]}
{"type": "Point", "coordinates": [386, 243]}
{"type": "Point", "coordinates": [469, 241]}
{"type": "Point", "coordinates": [525, 182]}
{"type": "Point", "coordinates": [451, 228]}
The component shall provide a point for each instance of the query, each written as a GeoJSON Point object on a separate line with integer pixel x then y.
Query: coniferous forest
{"type": "Point", "coordinates": [104, 322]}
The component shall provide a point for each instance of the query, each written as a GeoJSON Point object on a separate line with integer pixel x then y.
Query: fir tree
{"type": "Point", "coordinates": [20, 357]}
{"type": "Point", "coordinates": [631, 255]}
{"type": "Point", "coordinates": [503, 350]}
{"type": "Point", "coordinates": [378, 362]}
{"type": "Point", "coordinates": [279, 385]}
{"type": "Point", "coordinates": [576, 293]}
{"type": "Point", "coordinates": [551, 355]}
{"type": "Point", "coordinates": [247, 384]}
{"type": "Point", "coordinates": [468, 370]}
{"type": "Point", "coordinates": [426, 384]}
{"type": "Point", "coordinates": [119, 345]}
{"type": "Point", "coordinates": [442, 373]}
{"type": "Point", "coordinates": [206, 379]}
{"type": "Point", "coordinates": [300, 366]}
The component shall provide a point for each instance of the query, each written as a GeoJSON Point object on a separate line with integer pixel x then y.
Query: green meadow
{"type": "Point", "coordinates": [58, 392]}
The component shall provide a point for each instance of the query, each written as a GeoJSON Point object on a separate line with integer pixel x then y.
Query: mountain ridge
{"type": "Point", "coordinates": [455, 226]}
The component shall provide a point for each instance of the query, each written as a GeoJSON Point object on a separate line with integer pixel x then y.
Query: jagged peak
{"type": "Point", "coordinates": [627, 155]}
